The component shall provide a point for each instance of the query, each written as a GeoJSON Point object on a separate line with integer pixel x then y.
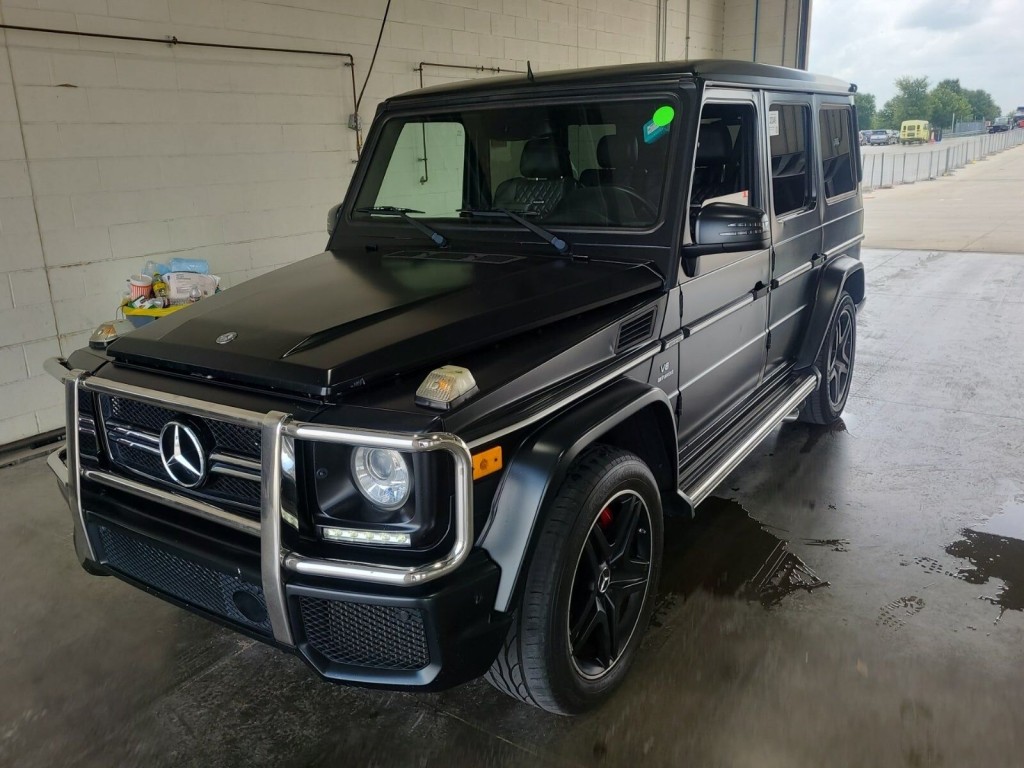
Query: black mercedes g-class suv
{"type": "Point", "coordinates": [552, 309]}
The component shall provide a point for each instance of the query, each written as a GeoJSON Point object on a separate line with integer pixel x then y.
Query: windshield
{"type": "Point", "coordinates": [594, 164]}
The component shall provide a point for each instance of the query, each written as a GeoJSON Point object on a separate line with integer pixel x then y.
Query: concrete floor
{"type": "Point", "coordinates": [909, 656]}
{"type": "Point", "coordinates": [978, 208]}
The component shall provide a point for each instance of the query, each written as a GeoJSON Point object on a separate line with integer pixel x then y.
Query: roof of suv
{"type": "Point", "coordinates": [724, 70]}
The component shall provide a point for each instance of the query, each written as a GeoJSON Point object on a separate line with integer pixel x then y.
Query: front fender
{"type": "Point", "coordinates": [842, 273]}
{"type": "Point", "coordinates": [540, 465]}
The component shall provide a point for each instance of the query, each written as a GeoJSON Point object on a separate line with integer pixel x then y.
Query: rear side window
{"type": "Point", "coordinates": [788, 129]}
{"type": "Point", "coordinates": [837, 161]}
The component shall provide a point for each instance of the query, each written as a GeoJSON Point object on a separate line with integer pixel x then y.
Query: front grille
{"type": "Point", "coordinates": [226, 595]}
{"type": "Point", "coordinates": [139, 453]}
{"type": "Point", "coordinates": [227, 488]}
{"type": "Point", "coordinates": [364, 635]}
{"type": "Point", "coordinates": [235, 438]}
{"type": "Point", "coordinates": [135, 413]}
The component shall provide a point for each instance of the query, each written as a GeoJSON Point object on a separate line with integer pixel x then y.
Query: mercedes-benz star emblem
{"type": "Point", "coordinates": [227, 338]}
{"type": "Point", "coordinates": [182, 454]}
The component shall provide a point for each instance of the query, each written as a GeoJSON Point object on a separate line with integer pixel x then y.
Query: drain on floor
{"type": "Point", "coordinates": [726, 552]}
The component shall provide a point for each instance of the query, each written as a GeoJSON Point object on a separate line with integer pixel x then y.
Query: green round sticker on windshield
{"type": "Point", "coordinates": [663, 116]}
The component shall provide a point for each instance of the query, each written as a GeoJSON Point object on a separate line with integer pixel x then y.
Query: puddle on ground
{"type": "Point", "coordinates": [995, 549]}
{"type": "Point", "coordinates": [726, 552]}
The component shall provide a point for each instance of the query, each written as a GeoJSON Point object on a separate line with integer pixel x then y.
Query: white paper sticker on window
{"type": "Point", "coordinates": [773, 123]}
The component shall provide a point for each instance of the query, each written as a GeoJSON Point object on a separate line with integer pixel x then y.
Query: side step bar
{"type": "Point", "coordinates": [704, 473]}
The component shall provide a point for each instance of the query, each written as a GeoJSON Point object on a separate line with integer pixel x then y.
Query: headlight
{"type": "Point", "coordinates": [382, 476]}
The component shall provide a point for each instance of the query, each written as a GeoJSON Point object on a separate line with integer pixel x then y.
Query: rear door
{"type": "Point", "coordinates": [840, 198]}
{"type": "Point", "coordinates": [796, 223]}
{"type": "Point", "coordinates": [724, 295]}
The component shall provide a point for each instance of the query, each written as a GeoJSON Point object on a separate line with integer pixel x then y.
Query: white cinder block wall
{"type": "Point", "coordinates": [116, 152]}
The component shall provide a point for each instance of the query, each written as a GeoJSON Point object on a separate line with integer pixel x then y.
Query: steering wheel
{"type": "Point", "coordinates": [648, 209]}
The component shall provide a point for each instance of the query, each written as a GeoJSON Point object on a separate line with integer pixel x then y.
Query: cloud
{"type": "Point", "coordinates": [868, 43]}
{"type": "Point", "coordinates": [945, 14]}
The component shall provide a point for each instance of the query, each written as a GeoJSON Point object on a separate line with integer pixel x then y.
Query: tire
{"type": "Point", "coordinates": [584, 571]}
{"type": "Point", "coordinates": [835, 361]}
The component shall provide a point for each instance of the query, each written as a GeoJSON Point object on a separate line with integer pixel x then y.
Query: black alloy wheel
{"type": "Point", "coordinates": [840, 357]}
{"type": "Point", "coordinates": [589, 592]}
{"type": "Point", "coordinates": [611, 581]}
{"type": "Point", "coordinates": [835, 363]}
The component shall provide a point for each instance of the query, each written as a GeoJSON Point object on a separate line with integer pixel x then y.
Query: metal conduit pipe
{"type": "Point", "coordinates": [757, 23]}
{"type": "Point", "coordinates": [423, 127]}
{"type": "Point", "coordinates": [172, 41]}
{"type": "Point", "coordinates": [686, 53]}
{"type": "Point", "coordinates": [785, 29]}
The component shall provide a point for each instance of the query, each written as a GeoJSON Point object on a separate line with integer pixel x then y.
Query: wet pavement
{"type": "Point", "coordinates": [851, 597]}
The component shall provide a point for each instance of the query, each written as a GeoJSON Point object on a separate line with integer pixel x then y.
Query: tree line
{"type": "Point", "coordinates": [914, 100]}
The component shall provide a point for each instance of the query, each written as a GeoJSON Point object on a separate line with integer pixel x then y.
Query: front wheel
{"type": "Point", "coordinates": [590, 589]}
{"type": "Point", "coordinates": [835, 361]}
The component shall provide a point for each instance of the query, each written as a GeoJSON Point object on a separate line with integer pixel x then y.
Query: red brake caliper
{"type": "Point", "coordinates": [605, 518]}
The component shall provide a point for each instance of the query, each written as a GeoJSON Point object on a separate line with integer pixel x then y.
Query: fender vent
{"type": "Point", "coordinates": [636, 330]}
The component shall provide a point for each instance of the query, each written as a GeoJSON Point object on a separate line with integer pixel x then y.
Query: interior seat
{"type": "Point", "coordinates": [545, 180]}
{"type": "Point", "coordinates": [616, 156]}
{"type": "Point", "coordinates": [715, 168]}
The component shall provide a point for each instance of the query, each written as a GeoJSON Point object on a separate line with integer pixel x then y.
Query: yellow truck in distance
{"type": "Point", "coordinates": [915, 132]}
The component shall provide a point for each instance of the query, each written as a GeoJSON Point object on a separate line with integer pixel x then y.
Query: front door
{"type": "Point", "coordinates": [724, 295]}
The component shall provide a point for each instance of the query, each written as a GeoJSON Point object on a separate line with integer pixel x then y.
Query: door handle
{"type": "Point", "coordinates": [760, 289]}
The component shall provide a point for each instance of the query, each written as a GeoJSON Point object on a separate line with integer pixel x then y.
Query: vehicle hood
{"type": "Point", "coordinates": [340, 320]}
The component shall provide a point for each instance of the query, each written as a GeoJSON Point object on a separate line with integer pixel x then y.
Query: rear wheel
{"type": "Point", "coordinates": [835, 362]}
{"type": "Point", "coordinates": [590, 589]}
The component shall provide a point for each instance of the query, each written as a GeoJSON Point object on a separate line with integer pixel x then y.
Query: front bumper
{"type": "Point", "coordinates": [426, 627]}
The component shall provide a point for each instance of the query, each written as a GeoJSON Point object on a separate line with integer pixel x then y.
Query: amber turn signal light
{"type": "Point", "coordinates": [486, 462]}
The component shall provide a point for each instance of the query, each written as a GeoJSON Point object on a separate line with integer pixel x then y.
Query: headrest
{"type": "Point", "coordinates": [714, 143]}
{"type": "Point", "coordinates": [616, 151]}
{"type": "Point", "coordinates": [544, 159]}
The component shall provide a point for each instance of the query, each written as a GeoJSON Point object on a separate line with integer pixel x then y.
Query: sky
{"type": "Point", "coordinates": [872, 42]}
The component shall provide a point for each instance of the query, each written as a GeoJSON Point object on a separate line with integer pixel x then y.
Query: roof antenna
{"type": "Point", "coordinates": [529, 71]}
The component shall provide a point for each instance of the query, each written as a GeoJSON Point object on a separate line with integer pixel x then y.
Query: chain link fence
{"type": "Point", "coordinates": [887, 169]}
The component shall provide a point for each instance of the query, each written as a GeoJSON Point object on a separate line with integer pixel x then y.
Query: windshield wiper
{"type": "Point", "coordinates": [403, 213]}
{"type": "Point", "coordinates": [550, 237]}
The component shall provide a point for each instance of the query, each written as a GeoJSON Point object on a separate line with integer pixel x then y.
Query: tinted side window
{"type": "Point", "coordinates": [726, 167]}
{"type": "Point", "coordinates": [839, 171]}
{"type": "Point", "coordinates": [791, 189]}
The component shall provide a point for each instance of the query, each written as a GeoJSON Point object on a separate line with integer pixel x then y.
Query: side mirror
{"type": "Point", "coordinates": [332, 218]}
{"type": "Point", "coordinates": [728, 227]}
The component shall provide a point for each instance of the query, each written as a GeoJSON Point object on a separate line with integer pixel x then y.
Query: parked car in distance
{"type": "Point", "coordinates": [1000, 125]}
{"type": "Point", "coordinates": [863, 137]}
{"type": "Point", "coordinates": [894, 137]}
{"type": "Point", "coordinates": [878, 137]}
{"type": "Point", "coordinates": [915, 132]}
{"type": "Point", "coordinates": [444, 447]}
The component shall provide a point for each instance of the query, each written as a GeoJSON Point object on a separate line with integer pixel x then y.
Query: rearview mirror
{"type": "Point", "coordinates": [332, 218]}
{"type": "Point", "coordinates": [729, 227]}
